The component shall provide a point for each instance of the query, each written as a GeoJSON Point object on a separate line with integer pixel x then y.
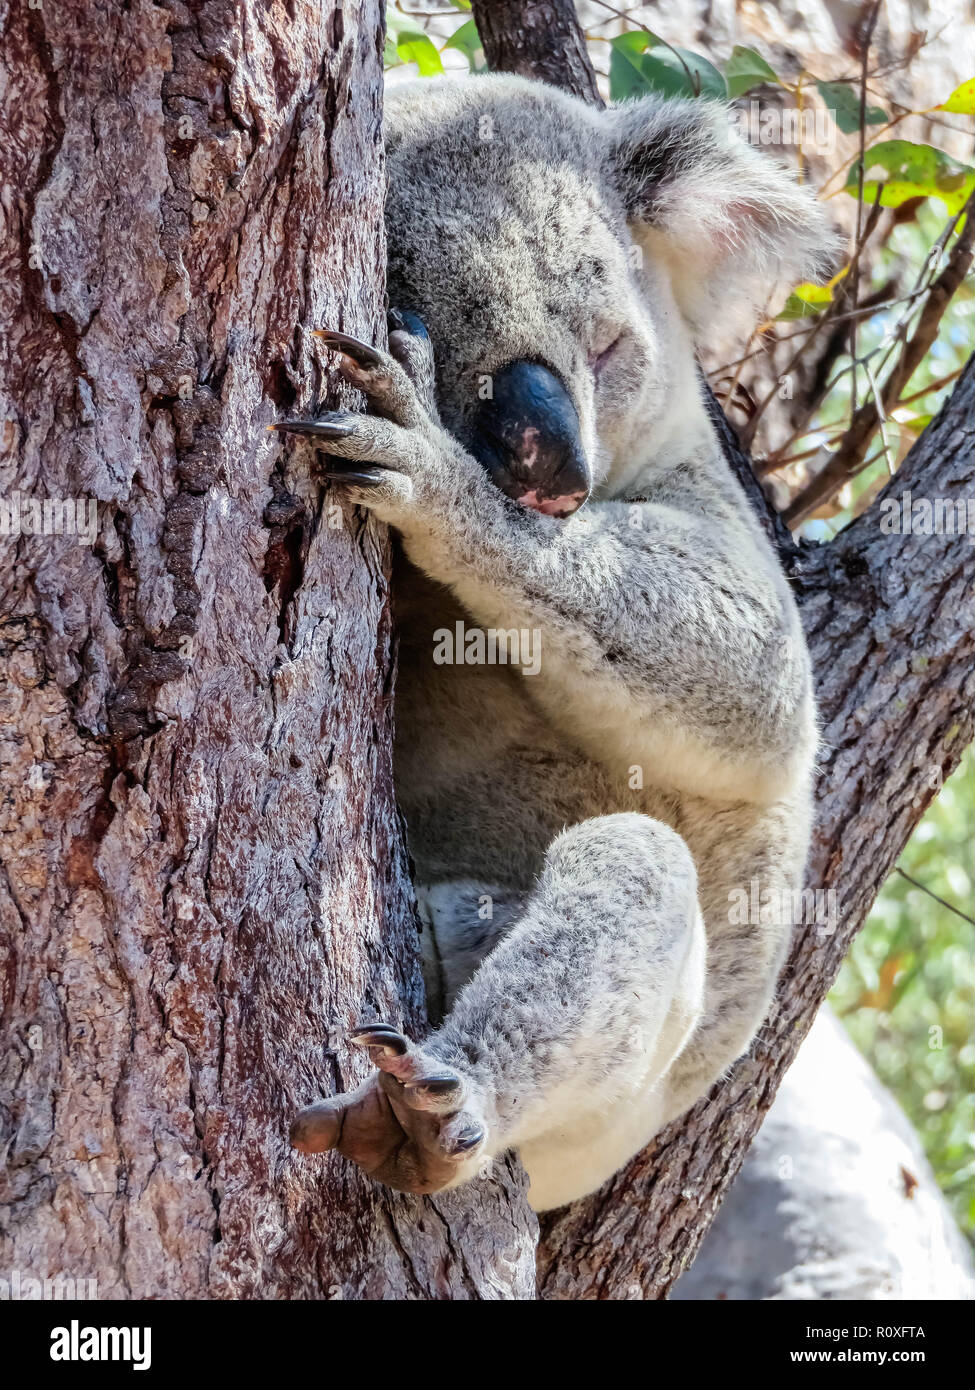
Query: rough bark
{"type": "Point", "coordinates": [536, 38]}
{"type": "Point", "coordinates": [891, 625]}
{"type": "Point", "coordinates": [203, 878]}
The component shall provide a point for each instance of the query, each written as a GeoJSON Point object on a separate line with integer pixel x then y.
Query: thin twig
{"type": "Point", "coordinates": [950, 906]}
{"type": "Point", "coordinates": [933, 386]}
{"type": "Point", "coordinates": [881, 417]}
{"type": "Point", "coordinates": [826, 318]}
{"type": "Point", "coordinates": [854, 281]}
{"type": "Point", "coordinates": [864, 311]}
{"type": "Point", "coordinates": [848, 459]}
{"type": "Point", "coordinates": [886, 347]}
{"type": "Point", "coordinates": [773, 464]}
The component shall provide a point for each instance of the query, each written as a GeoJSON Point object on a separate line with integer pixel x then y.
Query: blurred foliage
{"type": "Point", "coordinates": [906, 991]}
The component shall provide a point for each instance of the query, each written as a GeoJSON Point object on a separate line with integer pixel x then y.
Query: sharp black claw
{"type": "Point", "coordinates": [359, 351]}
{"type": "Point", "coordinates": [467, 1139]}
{"type": "Point", "coordinates": [365, 477]}
{"type": "Point", "coordinates": [317, 429]}
{"type": "Point", "coordinates": [440, 1085]}
{"type": "Point", "coordinates": [380, 1037]}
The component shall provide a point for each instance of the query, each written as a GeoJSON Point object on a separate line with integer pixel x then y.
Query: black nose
{"type": "Point", "coordinates": [527, 437]}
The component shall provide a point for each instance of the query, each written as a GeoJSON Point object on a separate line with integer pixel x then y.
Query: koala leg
{"type": "Point", "coordinates": [561, 1042]}
{"type": "Point", "coordinates": [462, 920]}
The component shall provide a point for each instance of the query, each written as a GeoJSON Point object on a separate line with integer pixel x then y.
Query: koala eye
{"type": "Point", "coordinates": [598, 360]}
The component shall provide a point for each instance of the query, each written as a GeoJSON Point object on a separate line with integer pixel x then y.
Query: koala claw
{"type": "Point", "coordinates": [376, 374]}
{"type": "Point", "coordinates": [335, 428]}
{"type": "Point", "coordinates": [435, 1085]}
{"type": "Point", "coordinates": [409, 343]}
{"type": "Point", "coordinates": [405, 321]}
{"type": "Point", "coordinates": [408, 1126]}
{"type": "Point", "coordinates": [359, 351]}
{"type": "Point", "coordinates": [339, 426]}
{"type": "Point", "coordinates": [395, 459]}
{"type": "Point", "coordinates": [467, 1139]}
{"type": "Point", "coordinates": [380, 1035]}
{"type": "Point", "coordinates": [362, 1028]}
{"type": "Point", "coordinates": [362, 477]}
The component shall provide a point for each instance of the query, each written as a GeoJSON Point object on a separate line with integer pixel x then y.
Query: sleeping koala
{"type": "Point", "coordinates": [583, 822]}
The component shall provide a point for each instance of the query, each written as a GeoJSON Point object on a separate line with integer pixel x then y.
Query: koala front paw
{"type": "Point", "coordinates": [415, 1125]}
{"type": "Point", "coordinates": [397, 458]}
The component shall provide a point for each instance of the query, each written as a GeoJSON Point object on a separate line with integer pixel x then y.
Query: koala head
{"type": "Point", "coordinates": [566, 260]}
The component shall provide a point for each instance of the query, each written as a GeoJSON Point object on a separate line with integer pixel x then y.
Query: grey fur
{"type": "Point", "coordinates": [670, 641]}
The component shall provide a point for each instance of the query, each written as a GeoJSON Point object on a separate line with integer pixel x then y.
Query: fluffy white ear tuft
{"type": "Point", "coordinates": [732, 227]}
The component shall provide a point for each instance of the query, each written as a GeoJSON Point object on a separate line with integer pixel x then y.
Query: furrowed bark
{"type": "Point", "coordinates": [890, 620]}
{"type": "Point", "coordinates": [537, 38]}
{"type": "Point", "coordinates": [202, 876]}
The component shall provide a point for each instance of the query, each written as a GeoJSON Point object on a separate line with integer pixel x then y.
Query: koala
{"type": "Point", "coordinates": [582, 823]}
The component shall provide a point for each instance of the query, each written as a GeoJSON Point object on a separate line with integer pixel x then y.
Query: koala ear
{"type": "Point", "coordinates": [731, 225]}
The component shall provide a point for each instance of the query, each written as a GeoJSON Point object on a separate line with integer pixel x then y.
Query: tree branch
{"type": "Point", "coordinates": [537, 38]}
{"type": "Point", "coordinates": [741, 465]}
{"type": "Point", "coordinates": [203, 877]}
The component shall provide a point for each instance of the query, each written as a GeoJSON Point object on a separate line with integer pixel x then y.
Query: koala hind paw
{"type": "Point", "coordinates": [415, 1125]}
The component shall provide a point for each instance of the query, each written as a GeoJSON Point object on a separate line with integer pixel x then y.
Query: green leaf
{"type": "Point", "coordinates": [390, 56]}
{"type": "Point", "coordinates": [633, 72]}
{"type": "Point", "coordinates": [746, 69]}
{"type": "Point", "coordinates": [913, 171]}
{"type": "Point", "coordinates": [844, 102]}
{"type": "Point", "coordinates": [468, 41]}
{"type": "Point", "coordinates": [806, 301]}
{"type": "Point", "coordinates": [665, 67]}
{"type": "Point", "coordinates": [625, 75]}
{"type": "Point", "coordinates": [414, 47]}
{"type": "Point", "coordinates": [962, 99]}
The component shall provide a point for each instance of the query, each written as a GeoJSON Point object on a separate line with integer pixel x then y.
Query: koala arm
{"type": "Point", "coordinates": [669, 639]}
{"type": "Point", "coordinates": [671, 649]}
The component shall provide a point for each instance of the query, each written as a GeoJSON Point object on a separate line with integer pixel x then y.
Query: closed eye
{"type": "Point", "coordinates": [598, 360]}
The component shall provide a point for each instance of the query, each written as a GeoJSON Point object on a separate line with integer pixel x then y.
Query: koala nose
{"type": "Point", "coordinates": [527, 437]}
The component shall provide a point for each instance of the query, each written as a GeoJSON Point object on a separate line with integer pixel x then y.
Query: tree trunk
{"type": "Point", "coordinates": [203, 874]}
{"type": "Point", "coordinates": [890, 622]}
{"type": "Point", "coordinates": [540, 39]}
